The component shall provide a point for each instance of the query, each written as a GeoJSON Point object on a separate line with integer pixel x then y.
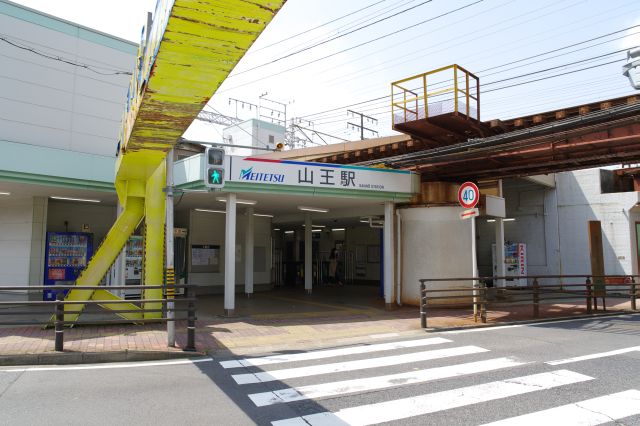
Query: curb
{"type": "Point", "coordinates": [531, 321]}
{"type": "Point", "coordinates": [65, 358]}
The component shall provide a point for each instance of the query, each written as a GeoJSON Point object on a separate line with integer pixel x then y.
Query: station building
{"type": "Point", "coordinates": [64, 87]}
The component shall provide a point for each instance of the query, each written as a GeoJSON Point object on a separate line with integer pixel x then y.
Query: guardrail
{"type": "Point", "coordinates": [59, 308]}
{"type": "Point", "coordinates": [476, 296]}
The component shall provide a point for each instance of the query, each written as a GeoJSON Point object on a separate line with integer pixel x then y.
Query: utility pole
{"type": "Point", "coordinates": [361, 125]}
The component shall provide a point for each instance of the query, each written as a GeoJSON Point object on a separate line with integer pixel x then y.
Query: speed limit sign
{"type": "Point", "coordinates": [468, 195]}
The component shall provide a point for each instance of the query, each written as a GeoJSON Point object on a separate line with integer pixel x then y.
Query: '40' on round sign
{"type": "Point", "coordinates": [468, 195]}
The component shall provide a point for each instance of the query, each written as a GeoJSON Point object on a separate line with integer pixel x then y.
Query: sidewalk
{"type": "Point", "coordinates": [277, 320]}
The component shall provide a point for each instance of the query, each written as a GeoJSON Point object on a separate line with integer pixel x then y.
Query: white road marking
{"type": "Point", "coordinates": [480, 329]}
{"type": "Point", "coordinates": [109, 366]}
{"type": "Point", "coordinates": [330, 353]}
{"type": "Point", "coordinates": [594, 356]}
{"type": "Point", "coordinates": [430, 403]}
{"type": "Point", "coordinates": [591, 412]}
{"type": "Point", "coordinates": [381, 382]}
{"type": "Point", "coordinates": [338, 367]}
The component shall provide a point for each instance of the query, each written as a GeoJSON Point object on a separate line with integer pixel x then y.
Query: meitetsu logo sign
{"type": "Point", "coordinates": [249, 175]}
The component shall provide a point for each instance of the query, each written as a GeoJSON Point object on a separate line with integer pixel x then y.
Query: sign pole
{"type": "Point", "coordinates": [468, 197]}
{"type": "Point", "coordinates": [474, 266]}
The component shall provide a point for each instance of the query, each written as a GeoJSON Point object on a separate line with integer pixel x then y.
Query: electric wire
{"type": "Point", "coordinates": [63, 60]}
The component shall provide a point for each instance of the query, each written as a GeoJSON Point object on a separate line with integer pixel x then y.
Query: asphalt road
{"type": "Point", "coordinates": [583, 372]}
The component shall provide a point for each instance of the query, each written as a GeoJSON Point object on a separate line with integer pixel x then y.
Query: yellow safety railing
{"type": "Point", "coordinates": [450, 89]}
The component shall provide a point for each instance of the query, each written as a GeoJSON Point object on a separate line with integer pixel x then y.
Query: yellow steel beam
{"type": "Point", "coordinates": [154, 209]}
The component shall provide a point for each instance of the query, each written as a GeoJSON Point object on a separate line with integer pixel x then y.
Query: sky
{"type": "Point", "coordinates": [321, 58]}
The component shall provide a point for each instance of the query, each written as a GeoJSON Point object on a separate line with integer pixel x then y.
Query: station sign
{"type": "Point", "coordinates": [468, 195]}
{"type": "Point", "coordinates": [318, 175]}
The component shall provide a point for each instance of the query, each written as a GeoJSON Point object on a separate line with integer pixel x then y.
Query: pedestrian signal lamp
{"type": "Point", "coordinates": [214, 168]}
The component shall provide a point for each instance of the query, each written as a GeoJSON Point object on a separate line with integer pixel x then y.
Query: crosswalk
{"type": "Point", "coordinates": [412, 367]}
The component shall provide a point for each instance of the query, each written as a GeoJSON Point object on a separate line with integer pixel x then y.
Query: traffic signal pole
{"type": "Point", "coordinates": [170, 272]}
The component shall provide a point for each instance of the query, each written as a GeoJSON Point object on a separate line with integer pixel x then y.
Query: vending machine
{"type": "Point", "coordinates": [66, 255]}
{"type": "Point", "coordinates": [515, 259]}
{"type": "Point", "coordinates": [134, 252]}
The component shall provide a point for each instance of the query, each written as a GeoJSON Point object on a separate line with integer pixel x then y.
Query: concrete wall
{"type": "Point", "coordinates": [435, 243]}
{"type": "Point", "coordinates": [47, 102]}
{"type": "Point", "coordinates": [22, 232]}
{"type": "Point", "coordinates": [209, 229]}
{"type": "Point", "coordinates": [579, 201]}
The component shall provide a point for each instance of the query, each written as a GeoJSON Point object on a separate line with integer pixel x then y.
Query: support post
{"type": "Point", "coordinates": [632, 293]}
{"type": "Point", "coordinates": [588, 285]}
{"type": "Point", "coordinates": [536, 298]}
{"type": "Point", "coordinates": [388, 254]}
{"type": "Point", "coordinates": [59, 326]}
{"type": "Point", "coordinates": [170, 279]}
{"type": "Point", "coordinates": [248, 252]}
{"type": "Point", "coordinates": [483, 303]}
{"type": "Point", "coordinates": [499, 230]}
{"type": "Point", "coordinates": [308, 247]}
{"type": "Point", "coordinates": [155, 211]}
{"type": "Point", "coordinates": [230, 256]}
{"type": "Point", "coordinates": [191, 320]}
{"type": "Point", "coordinates": [423, 305]}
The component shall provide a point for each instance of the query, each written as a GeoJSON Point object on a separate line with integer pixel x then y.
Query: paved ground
{"type": "Point", "coordinates": [274, 320]}
{"type": "Point", "coordinates": [566, 373]}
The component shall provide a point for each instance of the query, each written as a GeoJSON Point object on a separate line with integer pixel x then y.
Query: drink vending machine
{"type": "Point", "coordinates": [66, 255]}
{"type": "Point", "coordinates": [515, 259]}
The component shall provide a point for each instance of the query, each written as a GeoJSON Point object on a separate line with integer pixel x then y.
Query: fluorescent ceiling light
{"type": "Point", "coordinates": [509, 219]}
{"type": "Point", "coordinates": [337, 229]}
{"type": "Point", "coordinates": [490, 220]}
{"type": "Point", "coordinates": [5, 193]}
{"type": "Point", "coordinates": [239, 201]}
{"type": "Point", "coordinates": [316, 230]}
{"type": "Point", "coordinates": [276, 229]}
{"type": "Point", "coordinates": [211, 211]}
{"type": "Point", "coordinates": [86, 200]}
{"type": "Point", "coordinates": [316, 226]}
{"type": "Point", "coordinates": [289, 232]}
{"type": "Point", "coordinates": [313, 209]}
{"type": "Point", "coordinates": [263, 215]}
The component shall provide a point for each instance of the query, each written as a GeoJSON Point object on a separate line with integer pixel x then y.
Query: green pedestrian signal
{"type": "Point", "coordinates": [214, 167]}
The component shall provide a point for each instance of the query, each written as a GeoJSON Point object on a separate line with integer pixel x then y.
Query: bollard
{"type": "Point", "coordinates": [483, 305]}
{"type": "Point", "coordinates": [59, 326]}
{"type": "Point", "coordinates": [191, 320]}
{"type": "Point", "coordinates": [588, 284]}
{"type": "Point", "coordinates": [536, 298]}
{"type": "Point", "coordinates": [423, 305]}
{"type": "Point", "coordinates": [632, 293]}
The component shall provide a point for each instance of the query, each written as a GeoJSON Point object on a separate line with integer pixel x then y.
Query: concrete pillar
{"type": "Point", "coordinates": [308, 247]}
{"type": "Point", "coordinates": [248, 252]}
{"type": "Point", "coordinates": [388, 254]}
{"type": "Point", "coordinates": [230, 256]}
{"type": "Point", "coordinates": [501, 269]}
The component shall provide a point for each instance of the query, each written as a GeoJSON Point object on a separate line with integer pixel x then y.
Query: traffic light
{"type": "Point", "coordinates": [214, 168]}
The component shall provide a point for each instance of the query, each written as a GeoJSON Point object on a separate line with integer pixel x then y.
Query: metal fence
{"type": "Point", "coordinates": [55, 310]}
{"type": "Point", "coordinates": [481, 298]}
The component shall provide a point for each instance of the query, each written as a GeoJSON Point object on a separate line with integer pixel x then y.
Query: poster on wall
{"type": "Point", "coordinates": [205, 258]}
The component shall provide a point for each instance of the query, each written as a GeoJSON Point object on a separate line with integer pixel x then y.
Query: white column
{"type": "Point", "coordinates": [308, 271]}
{"type": "Point", "coordinates": [169, 270]}
{"type": "Point", "coordinates": [248, 252]}
{"type": "Point", "coordinates": [230, 256]}
{"type": "Point", "coordinates": [388, 253]}
{"type": "Point", "coordinates": [501, 269]}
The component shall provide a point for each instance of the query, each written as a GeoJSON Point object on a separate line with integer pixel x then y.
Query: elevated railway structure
{"type": "Point", "coordinates": [444, 139]}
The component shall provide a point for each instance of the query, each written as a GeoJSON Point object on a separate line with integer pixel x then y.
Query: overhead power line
{"type": "Point", "coordinates": [91, 68]}
{"type": "Point", "coordinates": [319, 26]}
{"type": "Point", "coordinates": [356, 46]}
{"type": "Point", "coordinates": [333, 38]}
